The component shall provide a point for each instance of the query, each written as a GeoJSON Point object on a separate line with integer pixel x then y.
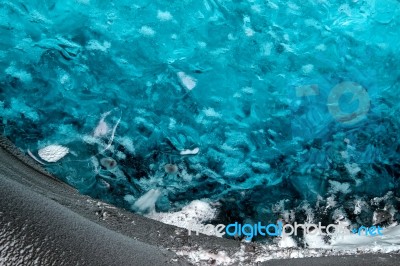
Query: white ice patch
{"type": "Point", "coordinates": [172, 123]}
{"type": "Point", "coordinates": [248, 31]}
{"type": "Point", "coordinates": [358, 207]}
{"type": "Point", "coordinates": [64, 78]}
{"type": "Point", "coordinates": [147, 202]}
{"type": "Point", "coordinates": [53, 153]}
{"type": "Point", "coordinates": [95, 45]}
{"type": "Point", "coordinates": [287, 242]}
{"type": "Point", "coordinates": [102, 127]}
{"type": "Point", "coordinates": [191, 216]}
{"type": "Point", "coordinates": [339, 187]}
{"type": "Point", "coordinates": [190, 152]}
{"type": "Point", "coordinates": [307, 69]}
{"type": "Point", "coordinates": [164, 15]}
{"type": "Point", "coordinates": [187, 81]}
{"type": "Point", "coordinates": [210, 112]}
{"type": "Point", "coordinates": [352, 168]}
{"type": "Point", "coordinates": [315, 241]}
{"type": "Point", "coordinates": [331, 203]}
{"type": "Point", "coordinates": [147, 31]}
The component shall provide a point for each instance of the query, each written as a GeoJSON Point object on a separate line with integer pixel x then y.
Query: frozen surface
{"type": "Point", "coordinates": [267, 109]}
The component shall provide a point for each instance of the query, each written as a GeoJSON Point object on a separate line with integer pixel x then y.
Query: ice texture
{"type": "Point", "coordinates": [53, 153]}
{"type": "Point", "coordinates": [267, 109]}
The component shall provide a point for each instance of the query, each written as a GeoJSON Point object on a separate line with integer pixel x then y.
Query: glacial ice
{"type": "Point", "coordinates": [53, 153]}
{"type": "Point", "coordinates": [267, 109]}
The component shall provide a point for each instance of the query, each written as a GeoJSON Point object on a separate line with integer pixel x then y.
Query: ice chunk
{"type": "Point", "coordinates": [146, 203]}
{"type": "Point", "coordinates": [190, 152]}
{"type": "Point", "coordinates": [101, 129]}
{"type": "Point", "coordinates": [191, 216]}
{"type": "Point", "coordinates": [53, 153]}
{"type": "Point", "coordinates": [187, 81]}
